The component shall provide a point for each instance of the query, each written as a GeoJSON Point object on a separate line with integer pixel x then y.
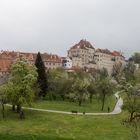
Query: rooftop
{"type": "Point", "coordinates": [83, 44]}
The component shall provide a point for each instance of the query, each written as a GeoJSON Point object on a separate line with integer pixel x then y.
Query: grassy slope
{"type": "Point", "coordinates": [95, 106]}
{"type": "Point", "coordinates": [51, 126]}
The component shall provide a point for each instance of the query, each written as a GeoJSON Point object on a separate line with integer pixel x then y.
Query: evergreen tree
{"type": "Point", "coordinates": [42, 78]}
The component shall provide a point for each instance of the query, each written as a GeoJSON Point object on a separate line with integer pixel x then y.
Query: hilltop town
{"type": "Point", "coordinates": [82, 55]}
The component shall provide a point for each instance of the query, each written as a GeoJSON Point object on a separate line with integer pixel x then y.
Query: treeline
{"type": "Point", "coordinates": [130, 85]}
{"type": "Point", "coordinates": [27, 83]}
{"type": "Point", "coordinates": [79, 86]}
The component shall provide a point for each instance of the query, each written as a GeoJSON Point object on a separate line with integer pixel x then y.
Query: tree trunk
{"type": "Point", "coordinates": [21, 113]}
{"type": "Point", "coordinates": [80, 102]}
{"type": "Point", "coordinates": [3, 114]}
{"type": "Point", "coordinates": [91, 95]}
{"type": "Point", "coordinates": [131, 116]}
{"type": "Point", "coordinates": [18, 108]}
{"type": "Point", "coordinates": [13, 108]}
{"type": "Point", "coordinates": [103, 102]}
{"type": "Point", "coordinates": [63, 98]}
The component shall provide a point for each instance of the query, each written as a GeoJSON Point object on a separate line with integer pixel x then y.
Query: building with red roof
{"type": "Point", "coordinates": [81, 53]}
{"type": "Point", "coordinates": [7, 58]}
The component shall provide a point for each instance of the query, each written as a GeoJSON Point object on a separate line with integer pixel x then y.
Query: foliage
{"type": "Point", "coordinates": [129, 71]}
{"type": "Point", "coordinates": [137, 75]}
{"type": "Point", "coordinates": [132, 100]}
{"type": "Point", "coordinates": [80, 86]}
{"type": "Point", "coordinates": [3, 100]}
{"type": "Point", "coordinates": [105, 88]}
{"type": "Point", "coordinates": [117, 71]}
{"type": "Point", "coordinates": [59, 84]}
{"type": "Point", "coordinates": [42, 77]}
{"type": "Point", "coordinates": [19, 89]}
{"type": "Point", "coordinates": [102, 74]}
{"type": "Point", "coordinates": [92, 88]}
{"type": "Point", "coordinates": [136, 57]}
{"type": "Point", "coordinates": [131, 104]}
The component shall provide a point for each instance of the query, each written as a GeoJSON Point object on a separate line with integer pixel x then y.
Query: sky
{"type": "Point", "coordinates": [53, 26]}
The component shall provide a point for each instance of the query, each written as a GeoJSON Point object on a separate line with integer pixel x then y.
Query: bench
{"type": "Point", "coordinates": [74, 112]}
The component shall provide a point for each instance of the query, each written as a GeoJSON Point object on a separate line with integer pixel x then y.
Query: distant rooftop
{"type": "Point", "coordinates": [83, 44]}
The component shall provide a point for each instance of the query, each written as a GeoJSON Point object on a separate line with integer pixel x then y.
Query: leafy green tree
{"type": "Point", "coordinates": [92, 88]}
{"type": "Point", "coordinates": [57, 79]}
{"type": "Point", "coordinates": [131, 104]}
{"type": "Point", "coordinates": [137, 75]}
{"type": "Point", "coordinates": [19, 89]}
{"type": "Point", "coordinates": [3, 97]}
{"type": "Point", "coordinates": [3, 100]}
{"type": "Point", "coordinates": [80, 87]}
{"type": "Point", "coordinates": [129, 71]}
{"type": "Point", "coordinates": [42, 77]}
{"type": "Point", "coordinates": [102, 74]}
{"type": "Point", "coordinates": [117, 71]}
{"type": "Point", "coordinates": [59, 83]}
{"type": "Point", "coordinates": [132, 100]}
{"type": "Point", "coordinates": [136, 57]}
{"type": "Point", "coordinates": [105, 88]}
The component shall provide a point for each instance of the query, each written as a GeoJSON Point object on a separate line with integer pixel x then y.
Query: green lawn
{"type": "Point", "coordinates": [95, 106]}
{"type": "Point", "coordinates": [51, 126]}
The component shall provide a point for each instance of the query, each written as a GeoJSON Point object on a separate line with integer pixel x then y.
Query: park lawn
{"type": "Point", "coordinates": [51, 126]}
{"type": "Point", "coordinates": [95, 106]}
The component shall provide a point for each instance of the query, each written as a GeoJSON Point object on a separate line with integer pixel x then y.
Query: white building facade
{"type": "Point", "coordinates": [84, 55]}
{"type": "Point", "coordinates": [67, 63]}
{"type": "Point", "coordinates": [81, 53]}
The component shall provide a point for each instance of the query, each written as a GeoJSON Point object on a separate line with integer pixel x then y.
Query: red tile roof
{"type": "Point", "coordinates": [116, 53]}
{"type": "Point", "coordinates": [8, 57]}
{"type": "Point", "coordinates": [106, 51]}
{"type": "Point", "coordinates": [83, 44]}
{"type": "Point", "coordinates": [51, 58]}
{"type": "Point", "coordinates": [5, 65]}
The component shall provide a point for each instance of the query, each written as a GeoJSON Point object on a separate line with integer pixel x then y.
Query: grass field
{"type": "Point", "coordinates": [95, 106]}
{"type": "Point", "coordinates": [51, 126]}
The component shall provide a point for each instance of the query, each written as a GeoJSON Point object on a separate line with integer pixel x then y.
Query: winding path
{"type": "Point", "coordinates": [117, 109]}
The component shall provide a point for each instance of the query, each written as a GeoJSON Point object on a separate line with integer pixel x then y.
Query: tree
{"type": "Point", "coordinates": [3, 99]}
{"type": "Point", "coordinates": [136, 57]}
{"type": "Point", "coordinates": [103, 73]}
{"type": "Point", "coordinates": [132, 104]}
{"type": "Point", "coordinates": [117, 71]}
{"type": "Point", "coordinates": [42, 77]}
{"type": "Point", "coordinates": [59, 83]}
{"type": "Point", "coordinates": [80, 86]}
{"type": "Point", "coordinates": [92, 88]}
{"type": "Point", "coordinates": [105, 88]}
{"type": "Point", "coordinates": [19, 89]}
{"type": "Point", "coordinates": [129, 70]}
{"type": "Point", "coordinates": [132, 100]}
{"type": "Point", "coordinates": [137, 75]}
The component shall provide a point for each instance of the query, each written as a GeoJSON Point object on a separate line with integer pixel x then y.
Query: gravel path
{"type": "Point", "coordinates": [117, 109]}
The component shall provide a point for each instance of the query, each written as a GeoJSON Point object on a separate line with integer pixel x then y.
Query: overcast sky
{"type": "Point", "coordinates": [53, 26]}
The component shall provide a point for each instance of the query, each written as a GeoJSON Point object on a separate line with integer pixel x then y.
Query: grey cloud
{"type": "Point", "coordinates": [55, 25]}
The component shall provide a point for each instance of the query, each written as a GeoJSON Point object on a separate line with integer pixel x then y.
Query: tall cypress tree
{"type": "Point", "coordinates": [42, 78]}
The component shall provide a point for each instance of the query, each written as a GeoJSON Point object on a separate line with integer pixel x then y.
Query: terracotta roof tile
{"type": "Point", "coordinates": [116, 53]}
{"type": "Point", "coordinates": [83, 44]}
{"type": "Point", "coordinates": [5, 65]}
{"type": "Point", "coordinates": [106, 51]}
{"type": "Point", "coordinates": [51, 57]}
